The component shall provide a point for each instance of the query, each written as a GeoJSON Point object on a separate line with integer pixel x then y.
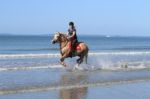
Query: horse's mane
{"type": "Point", "coordinates": [63, 35]}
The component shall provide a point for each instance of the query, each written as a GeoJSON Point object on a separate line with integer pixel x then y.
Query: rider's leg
{"type": "Point", "coordinates": [73, 46]}
{"type": "Point", "coordinates": [70, 49]}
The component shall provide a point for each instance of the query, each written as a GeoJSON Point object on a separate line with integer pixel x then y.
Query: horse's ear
{"type": "Point", "coordinates": [59, 33]}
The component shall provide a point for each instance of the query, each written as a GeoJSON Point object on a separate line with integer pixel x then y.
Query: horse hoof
{"type": "Point", "coordinates": [78, 68]}
{"type": "Point", "coordinates": [63, 64]}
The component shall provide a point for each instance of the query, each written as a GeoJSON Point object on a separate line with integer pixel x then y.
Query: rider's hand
{"type": "Point", "coordinates": [68, 38]}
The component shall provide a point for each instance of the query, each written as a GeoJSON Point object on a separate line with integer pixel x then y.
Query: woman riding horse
{"type": "Point", "coordinates": [81, 48]}
{"type": "Point", "coordinates": [72, 37]}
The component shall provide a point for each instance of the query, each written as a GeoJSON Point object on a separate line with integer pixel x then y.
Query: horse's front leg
{"type": "Point", "coordinates": [62, 61]}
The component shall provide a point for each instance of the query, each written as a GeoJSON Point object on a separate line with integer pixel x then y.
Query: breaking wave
{"type": "Point", "coordinates": [83, 67]}
{"type": "Point", "coordinates": [57, 54]}
{"type": "Point", "coordinates": [30, 67]}
{"type": "Point", "coordinates": [96, 61]}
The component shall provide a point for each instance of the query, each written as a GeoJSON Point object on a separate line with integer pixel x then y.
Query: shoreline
{"type": "Point", "coordinates": [136, 90]}
{"type": "Point", "coordinates": [66, 80]}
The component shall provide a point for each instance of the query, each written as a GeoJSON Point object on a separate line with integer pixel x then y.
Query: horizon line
{"type": "Point", "coordinates": [46, 34]}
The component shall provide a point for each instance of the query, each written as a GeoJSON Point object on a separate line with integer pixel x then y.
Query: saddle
{"type": "Point", "coordinates": [77, 47]}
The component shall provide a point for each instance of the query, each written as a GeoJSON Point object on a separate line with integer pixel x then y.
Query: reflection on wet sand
{"type": "Point", "coordinates": [74, 93]}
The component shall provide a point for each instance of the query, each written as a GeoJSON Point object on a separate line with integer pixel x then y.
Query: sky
{"type": "Point", "coordinates": [91, 17]}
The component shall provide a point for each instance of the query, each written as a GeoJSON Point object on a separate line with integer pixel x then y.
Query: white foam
{"type": "Point", "coordinates": [4, 56]}
{"type": "Point", "coordinates": [28, 55]}
{"type": "Point", "coordinates": [121, 66]}
{"type": "Point", "coordinates": [30, 67]}
{"type": "Point", "coordinates": [121, 53]}
{"type": "Point", "coordinates": [113, 66]}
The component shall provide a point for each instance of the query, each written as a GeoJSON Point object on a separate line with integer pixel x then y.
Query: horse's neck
{"type": "Point", "coordinates": [63, 44]}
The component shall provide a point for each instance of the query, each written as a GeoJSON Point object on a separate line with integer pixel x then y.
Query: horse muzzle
{"type": "Point", "coordinates": [53, 41]}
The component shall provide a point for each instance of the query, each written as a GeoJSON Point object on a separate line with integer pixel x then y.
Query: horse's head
{"type": "Point", "coordinates": [58, 37]}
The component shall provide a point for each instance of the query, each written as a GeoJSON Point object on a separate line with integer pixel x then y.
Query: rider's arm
{"type": "Point", "coordinates": [73, 34]}
{"type": "Point", "coordinates": [67, 33]}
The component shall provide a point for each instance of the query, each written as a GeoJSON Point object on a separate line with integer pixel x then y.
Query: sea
{"type": "Point", "coordinates": [103, 50]}
{"type": "Point", "coordinates": [30, 66]}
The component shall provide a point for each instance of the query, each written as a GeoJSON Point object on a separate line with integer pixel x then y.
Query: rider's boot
{"type": "Point", "coordinates": [70, 53]}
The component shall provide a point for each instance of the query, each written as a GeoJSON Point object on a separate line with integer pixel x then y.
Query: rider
{"type": "Point", "coordinates": [72, 37]}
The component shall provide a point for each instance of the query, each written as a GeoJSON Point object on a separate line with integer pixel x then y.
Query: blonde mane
{"type": "Point", "coordinates": [63, 37]}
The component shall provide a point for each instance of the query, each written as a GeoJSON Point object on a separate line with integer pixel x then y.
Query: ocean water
{"type": "Point", "coordinates": [42, 44]}
{"type": "Point", "coordinates": [31, 64]}
{"type": "Point", "coordinates": [107, 51]}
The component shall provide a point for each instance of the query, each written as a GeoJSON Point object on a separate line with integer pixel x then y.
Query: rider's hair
{"type": "Point", "coordinates": [71, 23]}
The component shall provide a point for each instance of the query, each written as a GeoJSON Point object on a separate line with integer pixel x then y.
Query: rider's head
{"type": "Point", "coordinates": [71, 25]}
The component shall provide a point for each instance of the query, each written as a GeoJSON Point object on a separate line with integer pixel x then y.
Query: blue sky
{"type": "Point", "coordinates": [99, 17]}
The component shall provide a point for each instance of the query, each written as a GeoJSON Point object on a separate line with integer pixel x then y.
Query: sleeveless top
{"type": "Point", "coordinates": [70, 32]}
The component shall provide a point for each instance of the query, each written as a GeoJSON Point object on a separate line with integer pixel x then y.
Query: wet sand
{"type": "Point", "coordinates": [123, 91]}
{"type": "Point", "coordinates": [62, 84]}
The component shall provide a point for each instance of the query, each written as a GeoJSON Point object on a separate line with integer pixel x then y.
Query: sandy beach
{"type": "Point", "coordinates": [110, 84]}
{"type": "Point", "coordinates": [124, 91]}
{"type": "Point", "coordinates": [34, 72]}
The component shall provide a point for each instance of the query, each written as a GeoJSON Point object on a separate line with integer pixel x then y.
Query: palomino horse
{"type": "Point", "coordinates": [81, 48]}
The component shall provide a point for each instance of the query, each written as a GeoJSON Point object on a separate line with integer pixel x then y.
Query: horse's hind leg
{"type": "Point", "coordinates": [80, 60]}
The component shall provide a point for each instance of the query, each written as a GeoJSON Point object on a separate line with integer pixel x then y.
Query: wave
{"type": "Point", "coordinates": [125, 66]}
{"type": "Point", "coordinates": [28, 55]}
{"type": "Point", "coordinates": [52, 66]}
{"type": "Point", "coordinates": [30, 49]}
{"type": "Point", "coordinates": [57, 54]}
{"type": "Point", "coordinates": [57, 49]}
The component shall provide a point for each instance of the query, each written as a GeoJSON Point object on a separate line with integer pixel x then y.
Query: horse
{"type": "Point", "coordinates": [81, 49]}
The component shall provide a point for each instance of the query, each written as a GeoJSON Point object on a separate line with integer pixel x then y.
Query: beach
{"type": "Point", "coordinates": [74, 49]}
{"type": "Point", "coordinates": [125, 91]}
{"type": "Point", "coordinates": [109, 84]}
{"type": "Point", "coordinates": [116, 69]}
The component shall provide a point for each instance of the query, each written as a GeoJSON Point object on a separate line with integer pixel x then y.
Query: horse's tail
{"type": "Point", "coordinates": [86, 55]}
